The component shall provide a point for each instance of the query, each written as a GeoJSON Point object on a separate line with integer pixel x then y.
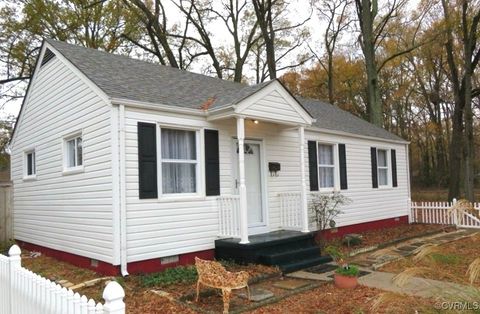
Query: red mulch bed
{"type": "Point", "coordinates": [329, 299]}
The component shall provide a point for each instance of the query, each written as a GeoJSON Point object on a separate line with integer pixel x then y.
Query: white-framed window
{"type": "Point", "coordinates": [30, 164]}
{"type": "Point", "coordinates": [327, 166]}
{"type": "Point", "coordinates": [382, 167]}
{"type": "Point", "coordinates": [179, 161]}
{"type": "Point", "coordinates": [73, 152]}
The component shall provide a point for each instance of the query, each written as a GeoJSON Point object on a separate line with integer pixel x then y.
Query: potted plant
{"type": "Point", "coordinates": [346, 275]}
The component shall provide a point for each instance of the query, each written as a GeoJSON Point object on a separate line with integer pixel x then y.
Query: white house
{"type": "Point", "coordinates": [120, 164]}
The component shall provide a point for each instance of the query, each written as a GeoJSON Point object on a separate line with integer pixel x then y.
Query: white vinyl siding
{"type": "Point", "coordinates": [367, 204]}
{"type": "Point", "coordinates": [58, 211]}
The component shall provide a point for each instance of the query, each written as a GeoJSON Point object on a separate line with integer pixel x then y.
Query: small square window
{"type": "Point", "coordinates": [30, 164]}
{"type": "Point", "coordinates": [73, 152]}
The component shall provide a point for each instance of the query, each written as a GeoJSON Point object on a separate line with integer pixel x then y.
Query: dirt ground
{"type": "Point", "coordinates": [332, 300]}
{"type": "Point", "coordinates": [326, 299]}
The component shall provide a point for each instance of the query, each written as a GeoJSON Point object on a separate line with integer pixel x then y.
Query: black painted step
{"type": "Point", "coordinates": [305, 263]}
{"type": "Point", "coordinates": [285, 256]}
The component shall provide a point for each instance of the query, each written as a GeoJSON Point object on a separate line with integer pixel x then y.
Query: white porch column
{"type": "Point", "coordinates": [304, 202]}
{"type": "Point", "coordinates": [242, 188]}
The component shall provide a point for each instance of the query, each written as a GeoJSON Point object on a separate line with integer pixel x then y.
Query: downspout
{"type": "Point", "coordinates": [123, 199]}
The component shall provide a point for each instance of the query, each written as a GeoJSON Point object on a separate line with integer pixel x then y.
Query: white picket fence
{"type": "Point", "coordinates": [24, 292]}
{"type": "Point", "coordinates": [441, 213]}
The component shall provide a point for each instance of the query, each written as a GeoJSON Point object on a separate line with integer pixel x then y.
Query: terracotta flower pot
{"type": "Point", "coordinates": [345, 282]}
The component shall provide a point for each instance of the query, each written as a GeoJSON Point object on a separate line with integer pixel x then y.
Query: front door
{"type": "Point", "coordinates": [253, 182]}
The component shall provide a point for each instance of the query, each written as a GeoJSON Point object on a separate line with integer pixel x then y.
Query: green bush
{"type": "Point", "coordinates": [170, 276]}
{"type": "Point", "coordinates": [348, 270]}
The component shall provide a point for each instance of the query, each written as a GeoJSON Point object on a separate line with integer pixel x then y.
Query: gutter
{"type": "Point", "coordinates": [373, 138]}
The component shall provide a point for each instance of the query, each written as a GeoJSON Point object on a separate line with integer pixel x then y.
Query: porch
{"type": "Point", "coordinates": [287, 249]}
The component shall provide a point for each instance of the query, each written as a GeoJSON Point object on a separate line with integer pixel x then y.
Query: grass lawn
{"type": "Point", "coordinates": [450, 263]}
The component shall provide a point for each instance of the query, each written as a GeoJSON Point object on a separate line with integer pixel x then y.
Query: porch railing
{"type": "Point", "coordinates": [291, 210]}
{"type": "Point", "coordinates": [229, 216]}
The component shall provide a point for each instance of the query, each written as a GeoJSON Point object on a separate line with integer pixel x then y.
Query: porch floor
{"type": "Point", "coordinates": [289, 250]}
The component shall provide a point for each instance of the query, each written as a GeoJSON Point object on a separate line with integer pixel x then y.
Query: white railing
{"type": "Point", "coordinates": [442, 213]}
{"type": "Point", "coordinates": [24, 292]}
{"type": "Point", "coordinates": [229, 216]}
{"type": "Point", "coordinates": [291, 210]}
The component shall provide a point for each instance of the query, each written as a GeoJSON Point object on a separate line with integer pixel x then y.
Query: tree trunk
{"type": "Point", "coordinates": [455, 154]}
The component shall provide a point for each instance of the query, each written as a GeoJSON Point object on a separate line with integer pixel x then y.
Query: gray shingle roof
{"type": "Point", "coordinates": [126, 78]}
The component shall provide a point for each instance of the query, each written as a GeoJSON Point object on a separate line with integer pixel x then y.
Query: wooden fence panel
{"type": "Point", "coordinates": [6, 221]}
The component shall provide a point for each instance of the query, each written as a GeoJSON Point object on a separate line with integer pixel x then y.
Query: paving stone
{"type": "Point", "coordinates": [407, 248]}
{"type": "Point", "coordinates": [68, 284]}
{"type": "Point", "coordinates": [290, 284]}
{"type": "Point", "coordinates": [257, 294]}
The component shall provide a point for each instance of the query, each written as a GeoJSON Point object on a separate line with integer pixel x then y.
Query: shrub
{"type": "Point", "coordinates": [170, 276]}
{"type": "Point", "coordinates": [348, 270]}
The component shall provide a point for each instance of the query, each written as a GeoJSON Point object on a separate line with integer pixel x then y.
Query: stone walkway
{"type": "Point", "coordinates": [376, 259]}
{"type": "Point", "coordinates": [416, 286]}
{"type": "Point", "coordinates": [421, 287]}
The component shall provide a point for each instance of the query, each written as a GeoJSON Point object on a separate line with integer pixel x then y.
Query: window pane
{"type": "Point", "coordinates": [326, 177]}
{"type": "Point", "coordinates": [383, 176]}
{"type": "Point", "coordinates": [178, 178]}
{"type": "Point", "coordinates": [325, 154]}
{"type": "Point", "coordinates": [178, 144]}
{"type": "Point", "coordinates": [79, 151]}
{"type": "Point", "coordinates": [71, 153]}
{"type": "Point", "coordinates": [29, 164]}
{"type": "Point", "coordinates": [382, 158]}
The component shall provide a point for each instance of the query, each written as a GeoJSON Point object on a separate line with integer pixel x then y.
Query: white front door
{"type": "Point", "coordinates": [254, 184]}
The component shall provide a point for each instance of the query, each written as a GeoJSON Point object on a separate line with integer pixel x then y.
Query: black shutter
{"type": "Point", "coordinates": [343, 166]}
{"type": "Point", "coordinates": [312, 165]}
{"type": "Point", "coordinates": [147, 160]}
{"type": "Point", "coordinates": [212, 163]}
{"type": "Point", "coordinates": [373, 154]}
{"type": "Point", "coordinates": [394, 168]}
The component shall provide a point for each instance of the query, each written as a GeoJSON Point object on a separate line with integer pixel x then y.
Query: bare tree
{"type": "Point", "coordinates": [272, 18]}
{"type": "Point", "coordinates": [335, 13]}
{"type": "Point", "coordinates": [373, 31]}
{"type": "Point", "coordinates": [461, 74]}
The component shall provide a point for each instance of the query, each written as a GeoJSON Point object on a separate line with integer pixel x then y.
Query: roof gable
{"type": "Point", "coordinates": [273, 102]}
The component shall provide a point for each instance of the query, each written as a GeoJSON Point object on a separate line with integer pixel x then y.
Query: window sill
{"type": "Point", "coordinates": [176, 198]}
{"type": "Point", "coordinates": [30, 178]}
{"type": "Point", "coordinates": [74, 170]}
{"type": "Point", "coordinates": [385, 187]}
